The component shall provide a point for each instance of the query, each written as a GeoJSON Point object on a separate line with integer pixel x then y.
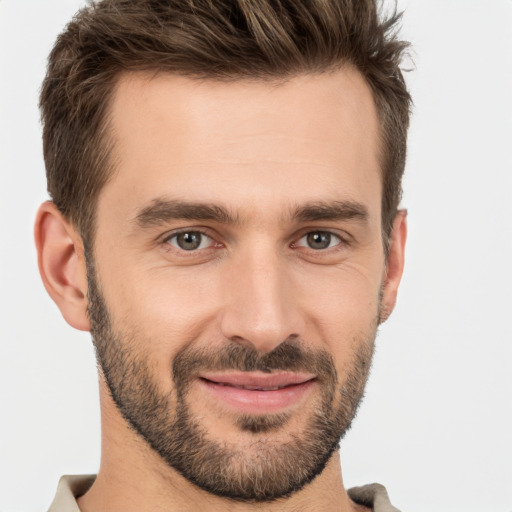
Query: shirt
{"type": "Point", "coordinates": [72, 487]}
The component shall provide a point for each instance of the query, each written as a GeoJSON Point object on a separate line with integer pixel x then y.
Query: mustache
{"type": "Point", "coordinates": [291, 355]}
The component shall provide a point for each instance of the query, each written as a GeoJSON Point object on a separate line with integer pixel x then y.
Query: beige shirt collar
{"type": "Point", "coordinates": [72, 487]}
{"type": "Point", "coordinates": [69, 489]}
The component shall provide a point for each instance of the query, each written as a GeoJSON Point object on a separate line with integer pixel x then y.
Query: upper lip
{"type": "Point", "coordinates": [258, 380]}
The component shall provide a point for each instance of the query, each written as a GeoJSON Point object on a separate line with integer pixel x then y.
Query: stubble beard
{"type": "Point", "coordinates": [264, 470]}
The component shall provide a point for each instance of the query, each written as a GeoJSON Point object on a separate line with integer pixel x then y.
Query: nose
{"type": "Point", "coordinates": [259, 306]}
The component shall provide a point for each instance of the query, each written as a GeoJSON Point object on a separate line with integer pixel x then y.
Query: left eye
{"type": "Point", "coordinates": [319, 240]}
{"type": "Point", "coordinates": [190, 240]}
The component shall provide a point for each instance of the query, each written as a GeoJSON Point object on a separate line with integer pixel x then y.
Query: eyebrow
{"type": "Point", "coordinates": [165, 210]}
{"type": "Point", "coordinates": [335, 210]}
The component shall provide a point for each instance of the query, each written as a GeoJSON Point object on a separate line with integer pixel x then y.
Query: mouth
{"type": "Point", "coordinates": [257, 392]}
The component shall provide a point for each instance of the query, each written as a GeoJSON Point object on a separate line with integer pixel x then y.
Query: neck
{"type": "Point", "coordinates": [132, 477]}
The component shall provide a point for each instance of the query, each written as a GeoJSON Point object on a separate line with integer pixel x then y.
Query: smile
{"type": "Point", "coordinates": [257, 393]}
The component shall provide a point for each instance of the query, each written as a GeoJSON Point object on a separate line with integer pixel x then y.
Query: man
{"type": "Point", "coordinates": [225, 179]}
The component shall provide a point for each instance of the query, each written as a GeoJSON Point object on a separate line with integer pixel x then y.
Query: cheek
{"type": "Point", "coordinates": [165, 306]}
{"type": "Point", "coordinates": [341, 306]}
{"type": "Point", "coordinates": [157, 312]}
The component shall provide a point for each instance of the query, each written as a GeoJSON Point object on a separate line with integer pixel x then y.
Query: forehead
{"type": "Point", "coordinates": [244, 143]}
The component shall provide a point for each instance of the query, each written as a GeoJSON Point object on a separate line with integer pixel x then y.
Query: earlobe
{"type": "Point", "coordinates": [62, 264]}
{"type": "Point", "coordinates": [394, 265]}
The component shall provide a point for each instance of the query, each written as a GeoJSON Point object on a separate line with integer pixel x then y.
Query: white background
{"type": "Point", "coordinates": [436, 425]}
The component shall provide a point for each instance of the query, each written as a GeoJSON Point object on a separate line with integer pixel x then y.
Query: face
{"type": "Point", "coordinates": [238, 273]}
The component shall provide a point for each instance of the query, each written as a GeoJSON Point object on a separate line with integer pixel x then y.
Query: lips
{"type": "Point", "coordinates": [257, 392]}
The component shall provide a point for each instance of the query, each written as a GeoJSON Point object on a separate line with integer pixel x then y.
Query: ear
{"type": "Point", "coordinates": [61, 260]}
{"type": "Point", "coordinates": [394, 265]}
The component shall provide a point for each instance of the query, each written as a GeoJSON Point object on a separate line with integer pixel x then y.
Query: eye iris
{"type": "Point", "coordinates": [319, 240]}
{"type": "Point", "coordinates": [188, 241]}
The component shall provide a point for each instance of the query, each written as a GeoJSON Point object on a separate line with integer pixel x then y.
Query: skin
{"type": "Point", "coordinates": [261, 151]}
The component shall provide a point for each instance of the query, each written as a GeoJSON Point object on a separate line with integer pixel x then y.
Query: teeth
{"type": "Point", "coordinates": [251, 388]}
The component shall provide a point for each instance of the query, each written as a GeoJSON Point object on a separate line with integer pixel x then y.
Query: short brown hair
{"type": "Point", "coordinates": [213, 39]}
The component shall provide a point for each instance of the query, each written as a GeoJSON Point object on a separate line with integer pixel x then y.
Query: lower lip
{"type": "Point", "coordinates": [256, 401]}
